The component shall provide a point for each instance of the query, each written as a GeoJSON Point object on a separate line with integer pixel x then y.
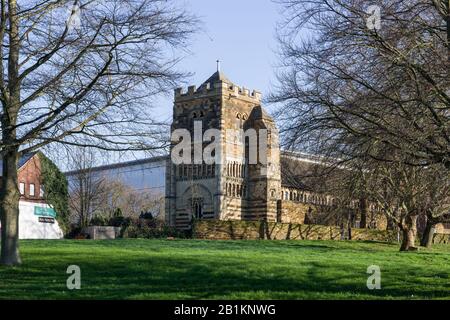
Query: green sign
{"type": "Point", "coordinates": [44, 212]}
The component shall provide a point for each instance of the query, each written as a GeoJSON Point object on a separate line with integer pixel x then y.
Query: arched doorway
{"type": "Point", "coordinates": [198, 204]}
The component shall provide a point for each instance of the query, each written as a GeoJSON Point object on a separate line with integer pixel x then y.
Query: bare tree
{"type": "Point", "coordinates": [81, 73]}
{"type": "Point", "coordinates": [86, 190]}
{"type": "Point", "coordinates": [344, 184]}
{"type": "Point", "coordinates": [373, 95]}
{"type": "Point", "coordinates": [436, 202]}
{"type": "Point", "coordinates": [98, 194]}
{"type": "Point", "coordinates": [352, 86]}
{"type": "Point", "coordinates": [131, 202]}
{"type": "Point", "coordinates": [405, 192]}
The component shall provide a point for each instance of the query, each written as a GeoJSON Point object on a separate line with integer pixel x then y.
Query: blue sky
{"type": "Point", "coordinates": [241, 34]}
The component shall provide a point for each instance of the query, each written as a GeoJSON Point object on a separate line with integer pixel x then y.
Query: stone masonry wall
{"type": "Point", "coordinates": [292, 211]}
{"type": "Point", "coordinates": [234, 230]}
{"type": "Point", "coordinates": [260, 230]}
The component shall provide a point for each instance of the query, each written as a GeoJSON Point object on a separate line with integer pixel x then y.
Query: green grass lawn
{"type": "Point", "coordinates": [195, 269]}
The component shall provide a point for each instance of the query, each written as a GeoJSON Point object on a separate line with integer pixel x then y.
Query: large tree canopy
{"type": "Point", "coordinates": [81, 73]}
{"type": "Point", "coordinates": [368, 83]}
{"type": "Point", "coordinates": [354, 87]}
{"type": "Point", "coordinates": [85, 70]}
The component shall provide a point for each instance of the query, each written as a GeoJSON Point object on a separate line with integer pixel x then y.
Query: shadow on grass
{"type": "Point", "coordinates": [109, 276]}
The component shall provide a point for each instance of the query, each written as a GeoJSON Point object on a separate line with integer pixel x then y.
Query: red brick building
{"type": "Point", "coordinates": [37, 219]}
{"type": "Point", "coordinates": [29, 178]}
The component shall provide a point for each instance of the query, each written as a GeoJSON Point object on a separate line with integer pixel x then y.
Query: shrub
{"type": "Point", "coordinates": [150, 228]}
{"type": "Point", "coordinates": [56, 193]}
{"type": "Point", "coordinates": [99, 220]}
{"type": "Point", "coordinates": [74, 232]}
{"type": "Point", "coordinates": [117, 221]}
{"type": "Point", "coordinates": [146, 215]}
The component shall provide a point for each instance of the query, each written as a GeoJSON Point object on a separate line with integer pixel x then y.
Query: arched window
{"type": "Point", "coordinates": [194, 115]}
{"type": "Point", "coordinates": [238, 116]}
{"type": "Point", "coordinates": [197, 209]}
{"type": "Point", "coordinates": [202, 114]}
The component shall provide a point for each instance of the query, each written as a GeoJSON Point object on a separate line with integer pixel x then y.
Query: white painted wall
{"type": "Point", "coordinates": [31, 228]}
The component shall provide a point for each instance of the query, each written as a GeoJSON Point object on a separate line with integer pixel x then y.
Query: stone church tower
{"type": "Point", "coordinates": [237, 187]}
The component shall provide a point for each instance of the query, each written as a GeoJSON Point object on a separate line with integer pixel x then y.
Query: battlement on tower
{"type": "Point", "coordinates": [215, 85]}
{"type": "Point", "coordinates": [238, 91]}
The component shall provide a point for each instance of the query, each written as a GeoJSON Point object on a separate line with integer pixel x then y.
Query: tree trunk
{"type": "Point", "coordinates": [391, 225]}
{"type": "Point", "coordinates": [9, 197]}
{"type": "Point", "coordinates": [409, 232]}
{"type": "Point", "coordinates": [447, 6]}
{"type": "Point", "coordinates": [408, 240]}
{"type": "Point", "coordinates": [428, 233]}
{"type": "Point", "coordinates": [363, 207]}
{"type": "Point", "coordinates": [9, 211]}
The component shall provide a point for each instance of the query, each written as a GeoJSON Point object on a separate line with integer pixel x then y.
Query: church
{"type": "Point", "coordinates": [280, 186]}
{"type": "Point", "coordinates": [235, 188]}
